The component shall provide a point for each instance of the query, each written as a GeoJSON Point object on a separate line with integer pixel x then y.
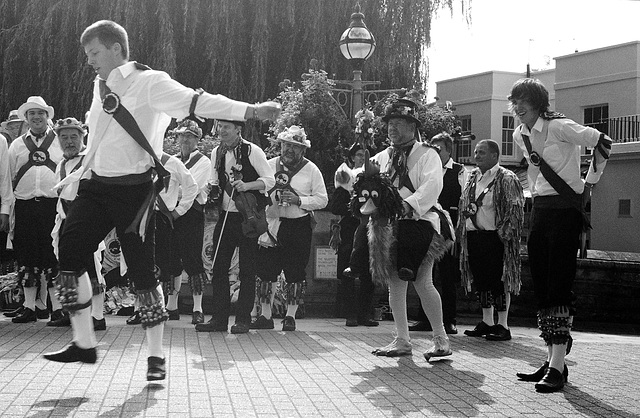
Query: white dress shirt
{"type": "Point", "coordinates": [201, 172]}
{"type": "Point", "coordinates": [560, 148]}
{"type": "Point", "coordinates": [153, 98]}
{"type": "Point", "coordinates": [425, 173]}
{"type": "Point", "coordinates": [486, 215]}
{"type": "Point", "coordinates": [6, 187]}
{"type": "Point", "coordinates": [182, 189]}
{"type": "Point", "coordinates": [308, 184]}
{"type": "Point", "coordinates": [38, 181]}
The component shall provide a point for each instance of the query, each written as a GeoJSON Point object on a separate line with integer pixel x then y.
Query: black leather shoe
{"type": "Point", "coordinates": [212, 326]}
{"type": "Point", "coordinates": [174, 315]}
{"type": "Point", "coordinates": [350, 274]}
{"type": "Point", "coordinates": [72, 354]}
{"type": "Point", "coordinates": [134, 319]}
{"type": "Point", "coordinates": [262, 322]}
{"type": "Point", "coordinates": [368, 323]}
{"type": "Point", "coordinates": [99, 324]}
{"type": "Point", "coordinates": [351, 322]}
{"type": "Point", "coordinates": [27, 315]}
{"type": "Point", "coordinates": [539, 374]}
{"type": "Point", "coordinates": [498, 333]}
{"type": "Point", "coordinates": [289, 323]}
{"type": "Point", "coordinates": [552, 381]}
{"type": "Point", "coordinates": [481, 330]}
{"type": "Point", "coordinates": [15, 312]}
{"type": "Point", "coordinates": [420, 326]}
{"type": "Point", "coordinates": [197, 318]}
{"type": "Point", "coordinates": [59, 318]}
{"type": "Point", "coordinates": [156, 368]}
{"type": "Point", "coordinates": [240, 328]}
{"type": "Point", "coordinates": [450, 328]}
{"type": "Point", "coordinates": [42, 313]}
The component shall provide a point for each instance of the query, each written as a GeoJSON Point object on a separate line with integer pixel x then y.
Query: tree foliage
{"type": "Point", "coordinates": [239, 48]}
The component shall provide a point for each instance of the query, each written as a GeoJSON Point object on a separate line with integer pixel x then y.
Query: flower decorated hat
{"type": "Point", "coordinates": [402, 108]}
{"type": "Point", "coordinates": [69, 123]}
{"type": "Point", "coordinates": [294, 135]}
{"type": "Point", "coordinates": [188, 126]}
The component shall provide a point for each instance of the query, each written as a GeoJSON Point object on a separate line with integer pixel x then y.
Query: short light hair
{"type": "Point", "coordinates": [108, 33]}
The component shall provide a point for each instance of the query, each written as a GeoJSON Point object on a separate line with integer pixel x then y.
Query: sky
{"type": "Point", "coordinates": [506, 34]}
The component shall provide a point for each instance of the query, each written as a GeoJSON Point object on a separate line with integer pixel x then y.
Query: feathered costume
{"type": "Point", "coordinates": [508, 201]}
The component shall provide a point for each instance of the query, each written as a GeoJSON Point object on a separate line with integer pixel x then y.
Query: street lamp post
{"type": "Point", "coordinates": [357, 45]}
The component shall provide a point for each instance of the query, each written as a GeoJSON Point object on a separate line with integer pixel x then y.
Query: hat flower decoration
{"type": "Point", "coordinates": [365, 128]}
{"type": "Point", "coordinates": [294, 135]}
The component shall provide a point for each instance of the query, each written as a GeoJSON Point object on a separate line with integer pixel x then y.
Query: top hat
{"type": "Point", "coordinates": [402, 108]}
{"type": "Point", "coordinates": [34, 102]}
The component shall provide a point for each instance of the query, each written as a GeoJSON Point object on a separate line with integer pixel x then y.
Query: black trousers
{"type": "Point", "coordinates": [34, 220]}
{"type": "Point", "coordinates": [180, 247]}
{"type": "Point", "coordinates": [97, 209]}
{"type": "Point", "coordinates": [233, 237]}
{"type": "Point", "coordinates": [553, 246]}
{"type": "Point", "coordinates": [291, 255]}
{"type": "Point", "coordinates": [486, 261]}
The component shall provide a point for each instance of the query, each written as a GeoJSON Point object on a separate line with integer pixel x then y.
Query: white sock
{"type": "Point", "coordinates": [41, 301]}
{"type": "Point", "coordinates": [291, 310]}
{"type": "Point", "coordinates": [487, 316]}
{"type": "Point", "coordinates": [266, 310]}
{"type": "Point", "coordinates": [30, 297]}
{"type": "Point", "coordinates": [429, 297]}
{"type": "Point", "coordinates": [197, 303]}
{"type": "Point", "coordinates": [81, 322]}
{"type": "Point", "coordinates": [558, 352]}
{"type": "Point", "coordinates": [55, 302]}
{"type": "Point", "coordinates": [97, 306]}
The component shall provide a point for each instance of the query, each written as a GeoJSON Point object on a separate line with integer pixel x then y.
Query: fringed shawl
{"type": "Point", "coordinates": [508, 201]}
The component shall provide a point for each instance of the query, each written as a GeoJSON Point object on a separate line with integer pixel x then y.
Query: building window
{"type": "Point", "coordinates": [507, 135]}
{"type": "Point", "coordinates": [464, 148]}
{"type": "Point", "coordinates": [624, 208]}
{"type": "Point", "coordinates": [597, 117]}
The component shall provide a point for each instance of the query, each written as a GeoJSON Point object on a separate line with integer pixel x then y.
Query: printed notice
{"type": "Point", "coordinates": [326, 262]}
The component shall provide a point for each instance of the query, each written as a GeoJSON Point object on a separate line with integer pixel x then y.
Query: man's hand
{"type": "Point", "coordinates": [4, 222]}
{"type": "Point", "coordinates": [267, 110]}
{"type": "Point", "coordinates": [240, 186]}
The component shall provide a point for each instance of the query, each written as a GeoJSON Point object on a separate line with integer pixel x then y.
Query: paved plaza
{"type": "Point", "coordinates": [323, 369]}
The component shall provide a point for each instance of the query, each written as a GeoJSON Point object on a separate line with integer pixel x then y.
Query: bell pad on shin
{"type": "Point", "coordinates": [152, 310]}
{"type": "Point", "coordinates": [196, 282]}
{"type": "Point", "coordinates": [67, 291]}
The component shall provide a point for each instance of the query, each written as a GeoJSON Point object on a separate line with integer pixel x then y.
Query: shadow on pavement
{"type": "Point", "coordinates": [405, 389]}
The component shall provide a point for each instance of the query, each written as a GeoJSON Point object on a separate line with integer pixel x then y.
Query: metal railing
{"type": "Point", "coordinates": [625, 128]}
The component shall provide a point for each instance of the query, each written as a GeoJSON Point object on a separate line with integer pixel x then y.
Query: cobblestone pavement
{"type": "Point", "coordinates": [322, 369]}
